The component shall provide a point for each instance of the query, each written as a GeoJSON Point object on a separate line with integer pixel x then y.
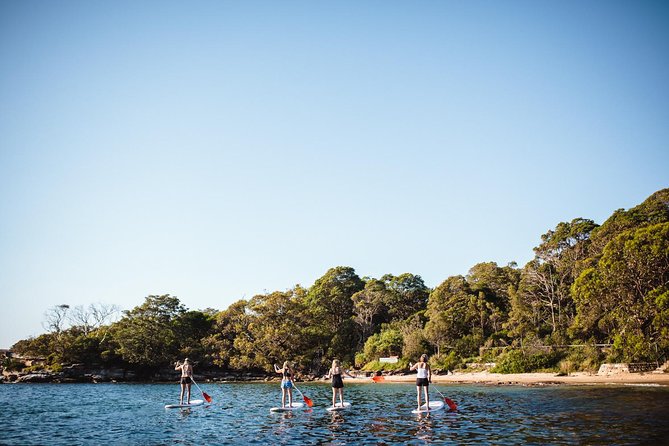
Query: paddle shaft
{"type": "Point", "coordinates": [204, 394]}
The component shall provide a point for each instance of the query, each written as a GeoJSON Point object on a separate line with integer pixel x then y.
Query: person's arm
{"type": "Point", "coordinates": [429, 372]}
{"type": "Point", "coordinates": [346, 371]}
{"type": "Point", "coordinates": [277, 369]}
{"type": "Point", "coordinates": [413, 367]}
{"type": "Point", "coordinates": [177, 366]}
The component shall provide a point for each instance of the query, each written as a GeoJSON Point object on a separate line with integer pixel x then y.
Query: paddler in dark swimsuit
{"type": "Point", "coordinates": [186, 378]}
{"type": "Point", "coordinates": [335, 373]}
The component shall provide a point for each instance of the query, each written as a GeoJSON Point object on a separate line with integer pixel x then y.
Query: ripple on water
{"type": "Point", "coordinates": [134, 414]}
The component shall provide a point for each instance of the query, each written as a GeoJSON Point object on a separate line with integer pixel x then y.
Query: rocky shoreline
{"type": "Point", "coordinates": [77, 373]}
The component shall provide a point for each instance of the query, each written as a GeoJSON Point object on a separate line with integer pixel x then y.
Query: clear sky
{"type": "Point", "coordinates": [217, 150]}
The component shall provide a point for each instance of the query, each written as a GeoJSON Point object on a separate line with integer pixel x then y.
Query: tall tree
{"type": "Point", "coordinates": [229, 325]}
{"type": "Point", "coordinates": [147, 334]}
{"type": "Point", "coordinates": [331, 305]}
{"type": "Point", "coordinates": [276, 331]}
{"type": "Point", "coordinates": [492, 285]}
{"type": "Point", "coordinates": [624, 297]}
{"type": "Point", "coordinates": [369, 308]}
{"type": "Point", "coordinates": [447, 313]}
{"type": "Point", "coordinates": [547, 279]}
{"type": "Point", "coordinates": [408, 295]}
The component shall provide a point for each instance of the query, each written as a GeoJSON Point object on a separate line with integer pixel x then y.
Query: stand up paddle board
{"type": "Point", "coordinates": [434, 406]}
{"type": "Point", "coordinates": [338, 407]}
{"type": "Point", "coordinates": [192, 403]}
{"type": "Point", "coordinates": [295, 406]}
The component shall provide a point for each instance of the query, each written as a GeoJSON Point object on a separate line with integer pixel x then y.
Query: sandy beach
{"type": "Point", "coordinates": [538, 379]}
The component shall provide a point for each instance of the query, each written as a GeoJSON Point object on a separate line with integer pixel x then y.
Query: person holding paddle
{"type": "Point", "coordinates": [186, 378]}
{"type": "Point", "coordinates": [423, 379]}
{"type": "Point", "coordinates": [335, 373]}
{"type": "Point", "coordinates": [286, 383]}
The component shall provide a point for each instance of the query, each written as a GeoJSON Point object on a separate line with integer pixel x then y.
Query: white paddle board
{"type": "Point", "coordinates": [338, 407]}
{"type": "Point", "coordinates": [434, 405]}
{"type": "Point", "coordinates": [295, 406]}
{"type": "Point", "coordinates": [192, 403]}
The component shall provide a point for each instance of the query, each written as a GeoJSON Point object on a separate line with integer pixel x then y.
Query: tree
{"type": "Point", "coordinates": [408, 295]}
{"type": "Point", "coordinates": [388, 342]}
{"type": "Point", "coordinates": [491, 286]}
{"type": "Point", "coordinates": [546, 280]}
{"type": "Point", "coordinates": [276, 329]}
{"type": "Point", "coordinates": [191, 327]}
{"type": "Point", "coordinates": [369, 308]}
{"type": "Point", "coordinates": [229, 325]}
{"type": "Point", "coordinates": [652, 211]}
{"type": "Point", "coordinates": [147, 334]}
{"type": "Point", "coordinates": [330, 304]}
{"type": "Point", "coordinates": [624, 297]}
{"type": "Point", "coordinates": [447, 313]}
{"type": "Point", "coordinates": [93, 317]}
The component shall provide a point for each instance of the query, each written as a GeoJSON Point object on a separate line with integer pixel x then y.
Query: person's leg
{"type": "Point", "coordinates": [188, 387]}
{"type": "Point", "coordinates": [427, 397]}
{"type": "Point", "coordinates": [334, 396]}
{"type": "Point", "coordinates": [418, 396]}
{"type": "Point", "coordinates": [283, 396]}
{"type": "Point", "coordinates": [341, 396]}
{"type": "Point", "coordinates": [181, 395]}
{"type": "Point", "coordinates": [290, 397]}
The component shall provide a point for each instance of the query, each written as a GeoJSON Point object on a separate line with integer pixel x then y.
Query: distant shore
{"type": "Point", "coordinates": [537, 379]}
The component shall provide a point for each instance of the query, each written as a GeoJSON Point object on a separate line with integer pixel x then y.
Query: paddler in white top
{"type": "Point", "coordinates": [423, 379]}
{"type": "Point", "coordinates": [186, 378]}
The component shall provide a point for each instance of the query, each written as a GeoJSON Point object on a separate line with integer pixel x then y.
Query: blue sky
{"type": "Point", "coordinates": [217, 150]}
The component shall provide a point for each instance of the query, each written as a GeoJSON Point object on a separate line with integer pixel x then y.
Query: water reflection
{"type": "Point", "coordinates": [425, 427]}
{"type": "Point", "coordinates": [133, 414]}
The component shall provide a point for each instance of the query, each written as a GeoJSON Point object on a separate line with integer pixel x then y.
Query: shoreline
{"type": "Point", "coordinates": [539, 379]}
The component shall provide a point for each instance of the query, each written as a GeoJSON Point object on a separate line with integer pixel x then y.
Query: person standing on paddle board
{"type": "Point", "coordinates": [286, 383]}
{"type": "Point", "coordinates": [186, 378]}
{"type": "Point", "coordinates": [423, 379]}
{"type": "Point", "coordinates": [335, 373]}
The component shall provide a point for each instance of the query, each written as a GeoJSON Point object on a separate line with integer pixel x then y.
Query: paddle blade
{"type": "Point", "coordinates": [206, 397]}
{"type": "Point", "coordinates": [450, 403]}
{"type": "Point", "coordinates": [378, 379]}
{"type": "Point", "coordinates": [308, 401]}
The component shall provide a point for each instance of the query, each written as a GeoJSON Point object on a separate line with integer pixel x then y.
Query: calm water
{"type": "Point", "coordinates": [92, 414]}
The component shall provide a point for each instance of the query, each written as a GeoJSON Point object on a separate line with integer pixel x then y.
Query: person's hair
{"type": "Point", "coordinates": [335, 363]}
{"type": "Point", "coordinates": [286, 364]}
{"type": "Point", "coordinates": [186, 360]}
{"type": "Point", "coordinates": [423, 358]}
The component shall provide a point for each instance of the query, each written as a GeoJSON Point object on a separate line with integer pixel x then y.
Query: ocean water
{"type": "Point", "coordinates": [134, 414]}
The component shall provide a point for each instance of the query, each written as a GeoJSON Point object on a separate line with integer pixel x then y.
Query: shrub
{"type": "Point", "coordinates": [586, 359]}
{"type": "Point", "coordinates": [517, 361]}
{"type": "Point", "coordinates": [13, 364]}
{"type": "Point", "coordinates": [446, 362]}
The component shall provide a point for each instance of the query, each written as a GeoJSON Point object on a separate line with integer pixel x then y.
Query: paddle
{"type": "Point", "coordinates": [306, 400]}
{"type": "Point", "coordinates": [204, 394]}
{"type": "Point", "coordinates": [449, 402]}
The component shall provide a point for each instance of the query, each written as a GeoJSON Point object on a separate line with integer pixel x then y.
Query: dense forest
{"type": "Point", "coordinates": [591, 293]}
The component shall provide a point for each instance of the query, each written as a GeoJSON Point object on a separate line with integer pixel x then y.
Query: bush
{"type": "Point", "coordinates": [387, 343]}
{"type": "Point", "coordinates": [586, 359]}
{"type": "Point", "coordinates": [446, 362]}
{"type": "Point", "coordinates": [468, 345]}
{"type": "Point", "coordinates": [359, 359]}
{"type": "Point", "coordinates": [13, 364]}
{"type": "Point", "coordinates": [516, 361]}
